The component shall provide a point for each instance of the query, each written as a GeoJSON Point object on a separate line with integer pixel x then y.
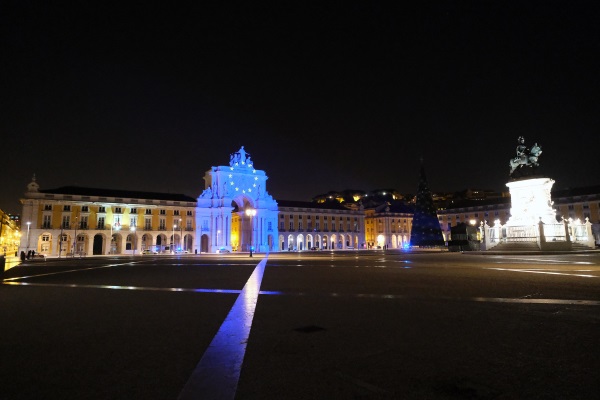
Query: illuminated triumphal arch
{"type": "Point", "coordinates": [235, 212]}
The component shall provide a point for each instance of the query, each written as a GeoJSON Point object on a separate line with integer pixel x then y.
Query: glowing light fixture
{"type": "Point", "coordinates": [28, 225]}
{"type": "Point", "coordinates": [251, 213]}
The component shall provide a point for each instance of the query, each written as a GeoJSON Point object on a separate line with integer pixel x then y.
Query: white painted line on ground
{"type": "Point", "coordinates": [538, 301]}
{"type": "Point", "coordinates": [65, 272]}
{"type": "Point", "coordinates": [537, 260]}
{"type": "Point", "coordinates": [544, 271]}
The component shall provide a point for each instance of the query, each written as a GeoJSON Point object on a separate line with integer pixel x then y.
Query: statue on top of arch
{"type": "Point", "coordinates": [240, 158]}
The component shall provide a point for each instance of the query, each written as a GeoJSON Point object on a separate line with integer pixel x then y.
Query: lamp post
{"type": "Point", "coordinates": [60, 241]}
{"type": "Point", "coordinates": [251, 213]}
{"type": "Point", "coordinates": [173, 241]}
{"type": "Point", "coordinates": [28, 225]}
{"type": "Point", "coordinates": [117, 227]}
{"type": "Point", "coordinates": [75, 239]}
{"type": "Point", "coordinates": [181, 234]}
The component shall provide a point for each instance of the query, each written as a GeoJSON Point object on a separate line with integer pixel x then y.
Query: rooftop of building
{"type": "Point", "coordinates": [123, 194]}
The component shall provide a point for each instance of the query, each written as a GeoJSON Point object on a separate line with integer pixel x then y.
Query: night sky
{"type": "Point", "coordinates": [324, 95]}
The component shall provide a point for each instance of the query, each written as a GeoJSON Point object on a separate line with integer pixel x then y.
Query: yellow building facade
{"type": "Point", "coordinates": [388, 227]}
{"type": "Point", "coordinates": [320, 226]}
{"type": "Point", "coordinates": [10, 234]}
{"type": "Point", "coordinates": [74, 221]}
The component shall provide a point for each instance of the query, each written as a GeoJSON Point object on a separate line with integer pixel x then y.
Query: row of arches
{"type": "Point", "coordinates": [319, 242]}
{"type": "Point", "coordinates": [132, 243]}
{"type": "Point", "coordinates": [67, 244]}
{"type": "Point", "coordinates": [393, 242]}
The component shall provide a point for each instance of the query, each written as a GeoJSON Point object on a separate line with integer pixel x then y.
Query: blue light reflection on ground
{"type": "Point", "coordinates": [216, 375]}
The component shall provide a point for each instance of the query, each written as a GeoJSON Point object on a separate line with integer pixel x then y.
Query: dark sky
{"type": "Point", "coordinates": [324, 95]}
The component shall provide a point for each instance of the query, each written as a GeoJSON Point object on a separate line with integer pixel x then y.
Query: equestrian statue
{"type": "Point", "coordinates": [526, 158]}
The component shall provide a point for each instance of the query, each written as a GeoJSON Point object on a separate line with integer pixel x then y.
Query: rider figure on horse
{"type": "Point", "coordinates": [522, 151]}
{"type": "Point", "coordinates": [526, 157]}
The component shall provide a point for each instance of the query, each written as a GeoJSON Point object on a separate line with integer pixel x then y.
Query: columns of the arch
{"type": "Point", "coordinates": [220, 229]}
{"type": "Point", "coordinates": [214, 232]}
{"type": "Point", "coordinates": [225, 228]}
{"type": "Point", "coordinates": [259, 235]}
{"type": "Point", "coordinates": [106, 244]}
{"type": "Point", "coordinates": [135, 243]}
{"type": "Point", "coordinates": [218, 236]}
{"type": "Point", "coordinates": [89, 246]}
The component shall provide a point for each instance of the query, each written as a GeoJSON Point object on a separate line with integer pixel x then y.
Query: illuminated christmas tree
{"type": "Point", "coordinates": [426, 231]}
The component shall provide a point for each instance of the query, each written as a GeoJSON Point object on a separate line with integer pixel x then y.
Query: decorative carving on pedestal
{"type": "Point", "coordinates": [530, 202]}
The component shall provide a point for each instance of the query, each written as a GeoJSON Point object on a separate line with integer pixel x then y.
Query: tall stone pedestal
{"type": "Point", "coordinates": [531, 201]}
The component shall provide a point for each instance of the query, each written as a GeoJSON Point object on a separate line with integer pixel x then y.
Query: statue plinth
{"type": "Point", "coordinates": [531, 202]}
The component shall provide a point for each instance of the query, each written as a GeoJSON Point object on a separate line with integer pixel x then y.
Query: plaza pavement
{"type": "Point", "coordinates": [371, 327]}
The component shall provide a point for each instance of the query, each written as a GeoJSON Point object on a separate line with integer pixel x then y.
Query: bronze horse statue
{"type": "Point", "coordinates": [530, 159]}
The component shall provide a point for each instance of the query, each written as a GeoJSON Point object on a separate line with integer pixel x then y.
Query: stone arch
{"type": "Point", "coordinates": [247, 225]}
{"type": "Point", "coordinates": [334, 242]}
{"type": "Point", "coordinates": [161, 242]}
{"type": "Point", "coordinates": [242, 201]}
{"type": "Point", "coordinates": [98, 244]}
{"type": "Point", "coordinates": [344, 241]}
{"type": "Point", "coordinates": [118, 243]}
{"type": "Point", "coordinates": [204, 243]}
{"type": "Point", "coordinates": [188, 242]}
{"type": "Point", "coordinates": [146, 242]}
{"type": "Point", "coordinates": [281, 243]}
{"type": "Point", "coordinates": [80, 244]}
{"type": "Point", "coordinates": [131, 242]}
{"type": "Point", "coordinates": [300, 245]}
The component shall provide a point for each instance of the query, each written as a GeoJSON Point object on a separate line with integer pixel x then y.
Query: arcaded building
{"type": "Point", "coordinates": [234, 212]}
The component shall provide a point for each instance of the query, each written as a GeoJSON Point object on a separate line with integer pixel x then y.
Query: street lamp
{"type": "Point", "coordinates": [60, 241]}
{"type": "Point", "coordinates": [181, 235]}
{"type": "Point", "coordinates": [251, 213]}
{"type": "Point", "coordinates": [173, 241]}
{"type": "Point", "coordinates": [112, 239]}
{"type": "Point", "coordinates": [28, 225]}
{"type": "Point", "coordinates": [75, 240]}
